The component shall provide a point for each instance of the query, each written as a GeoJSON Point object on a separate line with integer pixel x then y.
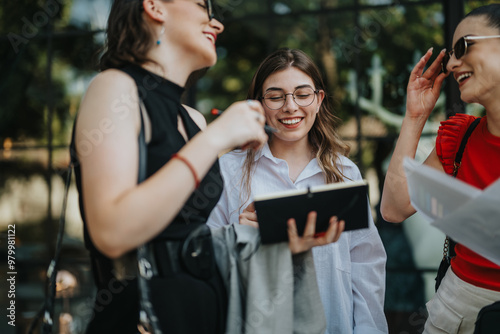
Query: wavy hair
{"type": "Point", "coordinates": [323, 136]}
{"type": "Point", "coordinates": [128, 36]}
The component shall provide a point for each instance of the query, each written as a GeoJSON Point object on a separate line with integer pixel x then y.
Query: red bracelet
{"type": "Point", "coordinates": [191, 168]}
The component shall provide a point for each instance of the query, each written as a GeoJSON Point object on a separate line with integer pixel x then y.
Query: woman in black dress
{"type": "Point", "coordinates": [152, 48]}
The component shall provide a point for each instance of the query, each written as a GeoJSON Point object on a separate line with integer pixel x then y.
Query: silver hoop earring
{"type": "Point", "coordinates": [158, 42]}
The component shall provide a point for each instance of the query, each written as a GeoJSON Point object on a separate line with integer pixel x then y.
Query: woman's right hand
{"type": "Point", "coordinates": [241, 125]}
{"type": "Point", "coordinates": [422, 94]}
{"type": "Point", "coordinates": [424, 87]}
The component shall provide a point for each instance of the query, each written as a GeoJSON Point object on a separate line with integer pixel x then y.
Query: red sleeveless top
{"type": "Point", "coordinates": [480, 167]}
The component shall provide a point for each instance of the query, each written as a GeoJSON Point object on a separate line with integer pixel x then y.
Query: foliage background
{"type": "Point", "coordinates": [48, 55]}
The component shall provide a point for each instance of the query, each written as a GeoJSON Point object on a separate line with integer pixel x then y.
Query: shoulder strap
{"type": "Point", "coordinates": [460, 152]}
{"type": "Point", "coordinates": [142, 148]}
{"type": "Point", "coordinates": [449, 244]}
{"type": "Point", "coordinates": [147, 314]}
{"type": "Point", "coordinates": [47, 309]}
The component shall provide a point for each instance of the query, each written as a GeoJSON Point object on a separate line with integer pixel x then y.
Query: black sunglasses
{"type": "Point", "coordinates": [210, 9]}
{"type": "Point", "coordinates": [460, 49]}
{"type": "Point", "coordinates": [208, 5]}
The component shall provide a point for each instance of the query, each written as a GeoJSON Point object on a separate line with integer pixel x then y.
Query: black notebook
{"type": "Point", "coordinates": [346, 200]}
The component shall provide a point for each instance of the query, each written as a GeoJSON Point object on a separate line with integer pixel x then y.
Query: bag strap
{"type": "Point", "coordinates": [460, 152]}
{"type": "Point", "coordinates": [449, 244]}
{"type": "Point", "coordinates": [47, 309]}
{"type": "Point", "coordinates": [143, 148]}
{"type": "Point", "coordinates": [147, 315]}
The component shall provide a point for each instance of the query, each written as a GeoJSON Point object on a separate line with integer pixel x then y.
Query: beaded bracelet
{"type": "Point", "coordinates": [191, 168]}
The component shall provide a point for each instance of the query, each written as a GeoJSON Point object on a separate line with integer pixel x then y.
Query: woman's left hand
{"type": "Point", "coordinates": [249, 216]}
{"type": "Point", "coordinates": [309, 240]}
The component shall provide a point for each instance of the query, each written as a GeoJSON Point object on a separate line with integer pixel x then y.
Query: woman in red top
{"type": "Point", "coordinates": [472, 282]}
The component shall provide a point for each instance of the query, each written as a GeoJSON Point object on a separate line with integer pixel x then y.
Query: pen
{"type": "Point", "coordinates": [268, 129]}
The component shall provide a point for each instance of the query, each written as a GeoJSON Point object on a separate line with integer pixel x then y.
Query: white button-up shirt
{"type": "Point", "coordinates": [350, 272]}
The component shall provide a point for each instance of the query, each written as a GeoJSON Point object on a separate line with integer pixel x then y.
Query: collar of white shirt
{"type": "Point", "coordinates": [311, 169]}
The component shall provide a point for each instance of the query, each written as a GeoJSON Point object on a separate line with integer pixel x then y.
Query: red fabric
{"type": "Point", "coordinates": [480, 168]}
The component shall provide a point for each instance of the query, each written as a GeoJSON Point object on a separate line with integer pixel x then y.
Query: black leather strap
{"type": "Point", "coordinates": [456, 166]}
{"type": "Point", "coordinates": [465, 139]}
{"type": "Point", "coordinates": [449, 244]}
{"type": "Point", "coordinates": [47, 309]}
{"type": "Point", "coordinates": [147, 314]}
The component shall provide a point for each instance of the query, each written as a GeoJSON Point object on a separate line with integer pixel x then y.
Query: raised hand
{"type": "Point", "coordinates": [241, 125]}
{"type": "Point", "coordinates": [249, 216]}
{"type": "Point", "coordinates": [299, 244]}
{"type": "Point", "coordinates": [424, 87]}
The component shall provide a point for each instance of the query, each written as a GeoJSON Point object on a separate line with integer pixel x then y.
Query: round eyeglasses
{"type": "Point", "coordinates": [460, 49]}
{"type": "Point", "coordinates": [276, 98]}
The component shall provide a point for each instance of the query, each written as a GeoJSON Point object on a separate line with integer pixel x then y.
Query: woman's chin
{"type": "Point", "coordinates": [479, 95]}
{"type": "Point", "coordinates": [467, 97]}
{"type": "Point", "coordinates": [207, 62]}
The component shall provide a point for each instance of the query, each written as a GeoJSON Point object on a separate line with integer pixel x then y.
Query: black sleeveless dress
{"type": "Point", "coordinates": [183, 303]}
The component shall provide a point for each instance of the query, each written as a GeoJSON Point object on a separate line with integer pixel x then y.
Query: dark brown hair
{"type": "Point", "coordinates": [492, 13]}
{"type": "Point", "coordinates": [323, 136]}
{"type": "Point", "coordinates": [128, 35]}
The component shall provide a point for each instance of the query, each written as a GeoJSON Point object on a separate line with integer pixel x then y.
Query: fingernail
{"type": "Point", "coordinates": [430, 49]}
{"type": "Point", "coordinates": [444, 50]}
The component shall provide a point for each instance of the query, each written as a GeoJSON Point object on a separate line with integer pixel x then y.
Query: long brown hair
{"type": "Point", "coordinates": [323, 136]}
{"type": "Point", "coordinates": [128, 36]}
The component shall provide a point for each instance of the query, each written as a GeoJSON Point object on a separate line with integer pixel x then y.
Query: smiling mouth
{"type": "Point", "coordinates": [464, 76]}
{"type": "Point", "coordinates": [290, 121]}
{"type": "Point", "coordinates": [211, 38]}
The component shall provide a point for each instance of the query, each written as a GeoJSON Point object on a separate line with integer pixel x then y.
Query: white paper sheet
{"type": "Point", "coordinates": [466, 214]}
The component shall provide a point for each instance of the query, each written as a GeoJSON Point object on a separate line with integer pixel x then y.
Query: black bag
{"type": "Point", "coordinates": [488, 320]}
{"type": "Point", "coordinates": [449, 244]}
{"type": "Point", "coordinates": [448, 254]}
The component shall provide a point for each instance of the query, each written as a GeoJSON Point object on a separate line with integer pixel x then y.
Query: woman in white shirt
{"type": "Point", "coordinates": [307, 151]}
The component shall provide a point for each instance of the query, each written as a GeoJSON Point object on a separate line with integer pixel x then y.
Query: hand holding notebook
{"type": "Point", "coordinates": [348, 201]}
